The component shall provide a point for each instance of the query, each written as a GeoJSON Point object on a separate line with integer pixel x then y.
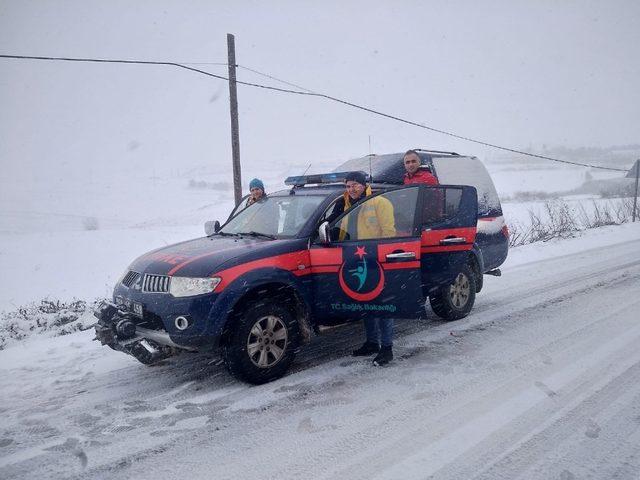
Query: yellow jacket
{"type": "Point", "coordinates": [375, 218]}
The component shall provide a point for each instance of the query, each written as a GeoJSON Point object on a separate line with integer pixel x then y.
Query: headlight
{"type": "Point", "coordinates": [187, 286]}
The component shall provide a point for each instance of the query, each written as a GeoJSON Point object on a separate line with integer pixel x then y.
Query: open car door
{"type": "Point", "coordinates": [371, 267]}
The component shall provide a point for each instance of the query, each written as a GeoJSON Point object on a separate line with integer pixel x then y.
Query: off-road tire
{"type": "Point", "coordinates": [262, 343]}
{"type": "Point", "coordinates": [455, 301]}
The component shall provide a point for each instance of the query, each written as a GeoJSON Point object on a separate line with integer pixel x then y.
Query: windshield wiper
{"type": "Point", "coordinates": [225, 234]}
{"type": "Point", "coordinates": [258, 234]}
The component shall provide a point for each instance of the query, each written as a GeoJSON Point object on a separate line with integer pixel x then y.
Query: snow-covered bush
{"type": "Point", "coordinates": [50, 317]}
{"type": "Point", "coordinates": [561, 220]}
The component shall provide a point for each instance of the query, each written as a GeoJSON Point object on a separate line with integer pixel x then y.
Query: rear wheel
{"type": "Point", "coordinates": [262, 344]}
{"type": "Point", "coordinates": [455, 301]}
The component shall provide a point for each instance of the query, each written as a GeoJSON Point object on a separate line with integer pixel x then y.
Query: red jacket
{"type": "Point", "coordinates": [421, 176]}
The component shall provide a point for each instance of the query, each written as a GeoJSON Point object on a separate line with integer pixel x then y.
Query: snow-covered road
{"type": "Point", "coordinates": [541, 381]}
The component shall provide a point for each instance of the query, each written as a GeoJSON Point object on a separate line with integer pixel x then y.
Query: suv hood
{"type": "Point", "coordinates": [200, 257]}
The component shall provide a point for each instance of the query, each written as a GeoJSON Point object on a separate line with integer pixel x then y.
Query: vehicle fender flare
{"type": "Point", "coordinates": [236, 295]}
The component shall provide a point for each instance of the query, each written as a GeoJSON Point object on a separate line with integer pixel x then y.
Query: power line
{"type": "Point", "coordinates": [221, 64]}
{"type": "Point", "coordinates": [276, 79]}
{"type": "Point", "coordinates": [103, 60]}
{"type": "Point", "coordinates": [311, 93]}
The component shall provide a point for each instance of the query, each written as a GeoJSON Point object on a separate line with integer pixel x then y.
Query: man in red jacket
{"type": "Point", "coordinates": [414, 174]}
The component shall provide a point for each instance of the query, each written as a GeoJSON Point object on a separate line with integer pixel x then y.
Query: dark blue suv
{"type": "Point", "coordinates": [258, 286]}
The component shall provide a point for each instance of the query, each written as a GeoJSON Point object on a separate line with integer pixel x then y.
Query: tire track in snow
{"type": "Point", "coordinates": [381, 454]}
{"type": "Point", "coordinates": [507, 415]}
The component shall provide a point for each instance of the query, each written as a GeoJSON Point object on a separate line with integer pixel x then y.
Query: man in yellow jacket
{"type": "Point", "coordinates": [374, 219]}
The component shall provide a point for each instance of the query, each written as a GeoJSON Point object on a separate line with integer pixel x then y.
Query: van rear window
{"type": "Point", "coordinates": [469, 171]}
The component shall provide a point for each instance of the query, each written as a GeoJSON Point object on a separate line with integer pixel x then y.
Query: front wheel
{"type": "Point", "coordinates": [263, 342]}
{"type": "Point", "coordinates": [455, 301]}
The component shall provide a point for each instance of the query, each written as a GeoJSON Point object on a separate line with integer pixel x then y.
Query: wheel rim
{"type": "Point", "coordinates": [459, 291]}
{"type": "Point", "coordinates": [267, 341]}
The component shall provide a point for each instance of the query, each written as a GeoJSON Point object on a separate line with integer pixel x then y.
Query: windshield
{"type": "Point", "coordinates": [280, 217]}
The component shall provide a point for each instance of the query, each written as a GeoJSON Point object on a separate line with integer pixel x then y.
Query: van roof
{"type": "Point", "coordinates": [389, 168]}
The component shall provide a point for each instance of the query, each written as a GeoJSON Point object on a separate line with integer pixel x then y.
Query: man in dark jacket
{"type": "Point", "coordinates": [414, 174]}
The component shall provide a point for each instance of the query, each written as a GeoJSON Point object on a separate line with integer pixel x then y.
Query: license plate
{"type": "Point", "coordinates": [131, 306]}
{"type": "Point", "coordinates": [137, 309]}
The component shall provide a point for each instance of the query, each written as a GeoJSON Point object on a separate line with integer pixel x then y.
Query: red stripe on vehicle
{"type": "Point", "coordinates": [400, 265]}
{"type": "Point", "coordinates": [326, 256]}
{"type": "Point", "coordinates": [433, 237]}
{"type": "Point", "coordinates": [325, 269]}
{"type": "Point", "coordinates": [287, 261]}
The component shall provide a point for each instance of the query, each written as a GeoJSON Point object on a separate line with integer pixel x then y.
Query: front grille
{"type": "Point", "coordinates": [155, 283]}
{"type": "Point", "coordinates": [130, 278]}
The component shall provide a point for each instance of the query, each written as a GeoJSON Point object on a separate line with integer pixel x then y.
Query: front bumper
{"type": "Point", "coordinates": [119, 329]}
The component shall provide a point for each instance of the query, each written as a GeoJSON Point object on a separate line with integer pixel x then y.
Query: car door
{"type": "Point", "coordinates": [371, 266]}
{"type": "Point", "coordinates": [448, 221]}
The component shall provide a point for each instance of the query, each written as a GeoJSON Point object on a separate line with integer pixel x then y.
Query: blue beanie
{"type": "Point", "coordinates": [256, 183]}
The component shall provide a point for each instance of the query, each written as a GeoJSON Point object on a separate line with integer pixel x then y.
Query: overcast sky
{"type": "Point", "coordinates": [514, 73]}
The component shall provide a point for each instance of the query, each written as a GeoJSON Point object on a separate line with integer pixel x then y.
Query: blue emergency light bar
{"type": "Point", "coordinates": [320, 178]}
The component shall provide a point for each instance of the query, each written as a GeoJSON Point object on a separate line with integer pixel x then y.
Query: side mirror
{"type": "Point", "coordinates": [211, 227]}
{"type": "Point", "coordinates": [323, 233]}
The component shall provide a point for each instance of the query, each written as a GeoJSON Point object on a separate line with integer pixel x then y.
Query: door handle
{"type": "Point", "coordinates": [453, 240]}
{"type": "Point", "coordinates": [401, 256]}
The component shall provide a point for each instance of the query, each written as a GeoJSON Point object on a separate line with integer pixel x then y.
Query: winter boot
{"type": "Point", "coordinates": [369, 348]}
{"type": "Point", "coordinates": [385, 355]}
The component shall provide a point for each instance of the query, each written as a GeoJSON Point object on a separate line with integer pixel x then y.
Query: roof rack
{"type": "Point", "coordinates": [321, 178]}
{"type": "Point", "coordinates": [436, 151]}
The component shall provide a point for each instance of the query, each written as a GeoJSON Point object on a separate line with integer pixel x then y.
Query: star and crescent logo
{"type": "Point", "coordinates": [363, 278]}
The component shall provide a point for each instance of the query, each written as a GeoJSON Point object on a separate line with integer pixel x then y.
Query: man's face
{"type": "Point", "coordinates": [256, 193]}
{"type": "Point", "coordinates": [411, 163]}
{"type": "Point", "coordinates": [355, 189]}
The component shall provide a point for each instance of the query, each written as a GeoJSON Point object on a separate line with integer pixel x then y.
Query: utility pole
{"type": "Point", "coordinates": [635, 199]}
{"type": "Point", "coordinates": [233, 108]}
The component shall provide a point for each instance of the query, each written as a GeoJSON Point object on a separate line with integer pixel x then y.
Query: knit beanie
{"type": "Point", "coordinates": [256, 183]}
{"type": "Point", "coordinates": [359, 177]}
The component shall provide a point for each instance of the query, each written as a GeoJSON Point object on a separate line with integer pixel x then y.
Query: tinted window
{"type": "Point", "coordinates": [388, 215]}
{"type": "Point", "coordinates": [440, 204]}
